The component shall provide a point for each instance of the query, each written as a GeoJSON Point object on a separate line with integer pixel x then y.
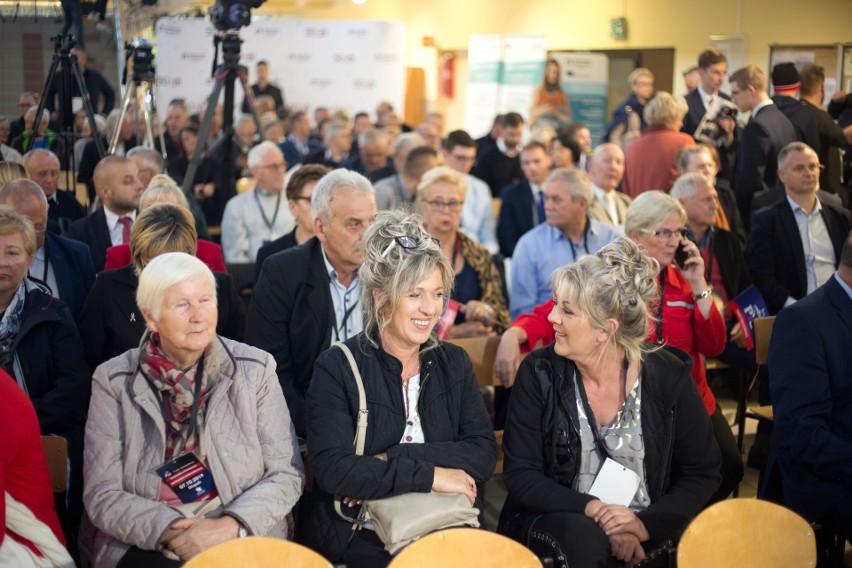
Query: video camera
{"type": "Point", "coordinates": [228, 15]}
{"type": "Point", "coordinates": [140, 51]}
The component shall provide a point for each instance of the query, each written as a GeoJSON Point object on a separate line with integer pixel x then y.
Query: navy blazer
{"type": "Point", "coordinates": [290, 316]}
{"type": "Point", "coordinates": [694, 114]}
{"type": "Point", "coordinates": [291, 153]}
{"type": "Point", "coordinates": [811, 390]}
{"type": "Point", "coordinates": [757, 160]}
{"type": "Point", "coordinates": [93, 231]}
{"type": "Point", "coordinates": [67, 209]}
{"type": "Point", "coordinates": [516, 215]}
{"type": "Point", "coordinates": [74, 271]}
{"type": "Point", "coordinates": [776, 256]}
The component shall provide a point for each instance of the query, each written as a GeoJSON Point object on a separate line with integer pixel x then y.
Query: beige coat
{"type": "Point", "coordinates": [248, 437]}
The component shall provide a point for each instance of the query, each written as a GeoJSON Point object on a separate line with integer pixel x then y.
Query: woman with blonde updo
{"type": "Point", "coordinates": [600, 393]}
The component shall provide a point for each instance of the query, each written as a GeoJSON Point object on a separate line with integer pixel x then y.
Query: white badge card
{"type": "Point", "coordinates": [615, 484]}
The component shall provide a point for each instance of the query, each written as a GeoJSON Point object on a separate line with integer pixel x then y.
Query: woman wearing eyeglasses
{"type": "Point", "coordinates": [477, 286]}
{"type": "Point", "coordinates": [427, 429]}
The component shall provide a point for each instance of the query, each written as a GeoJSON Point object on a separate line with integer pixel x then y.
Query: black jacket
{"type": "Point", "coordinates": [729, 253]}
{"type": "Point", "coordinates": [455, 423]}
{"type": "Point", "coordinates": [541, 444]}
{"type": "Point", "coordinates": [517, 215]}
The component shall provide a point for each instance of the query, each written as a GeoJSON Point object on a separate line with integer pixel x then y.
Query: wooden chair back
{"type": "Point", "coordinates": [482, 352]}
{"type": "Point", "coordinates": [762, 333]}
{"type": "Point", "coordinates": [245, 184]}
{"type": "Point", "coordinates": [747, 532]}
{"type": "Point", "coordinates": [56, 452]}
{"type": "Point", "coordinates": [258, 552]}
{"type": "Point", "coordinates": [465, 548]}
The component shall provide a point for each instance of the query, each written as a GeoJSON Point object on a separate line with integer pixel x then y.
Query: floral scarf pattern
{"type": "Point", "coordinates": [177, 388]}
{"type": "Point", "coordinates": [9, 327]}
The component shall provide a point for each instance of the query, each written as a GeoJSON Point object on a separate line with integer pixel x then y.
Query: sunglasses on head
{"type": "Point", "coordinates": [409, 243]}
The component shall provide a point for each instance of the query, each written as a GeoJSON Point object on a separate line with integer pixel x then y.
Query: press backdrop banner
{"type": "Point", "coordinates": [340, 64]}
{"type": "Point", "coordinates": [523, 66]}
{"type": "Point", "coordinates": [484, 56]}
{"type": "Point", "coordinates": [585, 78]}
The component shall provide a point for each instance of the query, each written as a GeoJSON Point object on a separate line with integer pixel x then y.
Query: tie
{"type": "Point", "coordinates": [51, 208]}
{"type": "Point", "coordinates": [126, 222]}
{"type": "Point", "coordinates": [611, 209]}
{"type": "Point", "coordinates": [541, 216]}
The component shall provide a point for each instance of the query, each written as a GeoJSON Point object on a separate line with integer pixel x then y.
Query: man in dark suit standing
{"type": "Point", "coordinates": [522, 206]}
{"type": "Point", "coordinates": [811, 395]}
{"type": "Point", "coordinates": [264, 87]}
{"type": "Point", "coordinates": [117, 185]}
{"type": "Point", "coordinates": [794, 245]}
{"type": "Point", "coordinates": [63, 208]}
{"type": "Point", "coordinates": [719, 130]}
{"type": "Point", "coordinates": [308, 297]}
{"type": "Point", "coordinates": [766, 133]}
{"type": "Point", "coordinates": [500, 165]}
{"type": "Point", "coordinates": [63, 265]}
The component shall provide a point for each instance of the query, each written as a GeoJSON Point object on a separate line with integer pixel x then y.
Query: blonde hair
{"type": "Point", "coordinates": [438, 175]}
{"type": "Point", "coordinates": [162, 189]}
{"type": "Point", "coordinates": [650, 210]}
{"type": "Point", "coordinates": [749, 76]}
{"type": "Point", "coordinates": [162, 228]}
{"type": "Point", "coordinates": [664, 109]}
{"type": "Point", "coordinates": [14, 223]}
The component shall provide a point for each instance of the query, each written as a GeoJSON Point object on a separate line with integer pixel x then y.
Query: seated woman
{"type": "Point", "coordinates": [112, 322]}
{"type": "Point", "coordinates": [428, 428]}
{"type": "Point", "coordinates": [205, 184]}
{"type": "Point", "coordinates": [601, 394]}
{"type": "Point", "coordinates": [189, 396]}
{"type": "Point", "coordinates": [477, 286]}
{"type": "Point", "coordinates": [163, 189]}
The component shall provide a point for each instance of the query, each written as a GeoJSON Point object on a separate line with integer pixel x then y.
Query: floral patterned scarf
{"type": "Point", "coordinates": [177, 388]}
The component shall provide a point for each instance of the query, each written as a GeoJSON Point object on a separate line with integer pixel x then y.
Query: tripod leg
{"type": "Point", "coordinates": [51, 75]}
{"type": "Point", "coordinates": [242, 73]}
{"type": "Point", "coordinates": [145, 96]}
{"type": "Point", "coordinates": [128, 95]}
{"type": "Point", "coordinates": [87, 103]}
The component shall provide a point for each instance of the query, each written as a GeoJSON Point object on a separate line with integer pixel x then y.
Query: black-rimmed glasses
{"type": "Point", "coordinates": [409, 243]}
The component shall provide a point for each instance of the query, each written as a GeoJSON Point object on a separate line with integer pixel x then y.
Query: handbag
{"type": "Point", "coordinates": [402, 519]}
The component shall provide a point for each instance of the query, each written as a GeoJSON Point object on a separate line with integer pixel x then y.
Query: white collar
{"type": "Point", "coordinates": [112, 218]}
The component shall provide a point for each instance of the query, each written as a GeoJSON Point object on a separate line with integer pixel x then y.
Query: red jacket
{"type": "Point", "coordinates": [118, 256]}
{"type": "Point", "coordinates": [649, 162]}
{"type": "Point", "coordinates": [683, 327]}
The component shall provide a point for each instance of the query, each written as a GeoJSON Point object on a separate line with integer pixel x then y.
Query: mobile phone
{"type": "Point", "coordinates": [681, 255]}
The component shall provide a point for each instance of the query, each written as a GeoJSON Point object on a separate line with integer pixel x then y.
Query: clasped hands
{"type": "Point", "coordinates": [189, 537]}
{"type": "Point", "coordinates": [623, 529]}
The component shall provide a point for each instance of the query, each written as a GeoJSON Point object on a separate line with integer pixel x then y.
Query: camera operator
{"type": "Point", "coordinates": [96, 84]}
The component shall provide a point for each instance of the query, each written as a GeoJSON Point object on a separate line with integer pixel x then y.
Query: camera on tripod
{"type": "Point", "coordinates": [228, 15]}
{"type": "Point", "coordinates": [140, 52]}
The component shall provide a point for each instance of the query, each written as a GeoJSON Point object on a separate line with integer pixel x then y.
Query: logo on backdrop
{"type": "Point", "coordinates": [168, 81]}
{"type": "Point", "coordinates": [358, 32]}
{"type": "Point", "coordinates": [344, 58]}
{"type": "Point", "coordinates": [316, 32]}
{"type": "Point", "coordinates": [169, 29]}
{"type": "Point", "coordinates": [386, 57]}
{"type": "Point", "coordinates": [192, 56]}
{"type": "Point", "coordinates": [321, 83]}
{"type": "Point", "coordinates": [299, 57]}
{"type": "Point", "coordinates": [266, 31]}
{"type": "Point", "coordinates": [365, 84]}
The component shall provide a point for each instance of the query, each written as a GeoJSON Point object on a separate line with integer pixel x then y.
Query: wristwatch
{"type": "Point", "coordinates": [705, 294]}
{"type": "Point", "coordinates": [242, 533]}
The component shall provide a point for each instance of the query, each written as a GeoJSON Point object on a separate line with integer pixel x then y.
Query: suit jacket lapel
{"type": "Point", "coordinates": [318, 294]}
{"type": "Point", "coordinates": [837, 295]}
{"type": "Point", "coordinates": [790, 230]}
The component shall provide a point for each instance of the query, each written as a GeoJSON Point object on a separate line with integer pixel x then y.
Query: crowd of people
{"type": "Point", "coordinates": [616, 265]}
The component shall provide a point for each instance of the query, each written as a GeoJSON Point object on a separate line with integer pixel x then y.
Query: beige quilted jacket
{"type": "Point", "coordinates": [248, 436]}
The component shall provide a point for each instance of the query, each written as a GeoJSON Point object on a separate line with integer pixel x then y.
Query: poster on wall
{"type": "Point", "coordinates": [484, 55]}
{"type": "Point", "coordinates": [584, 78]}
{"type": "Point", "coordinates": [340, 64]}
{"type": "Point", "coordinates": [523, 67]}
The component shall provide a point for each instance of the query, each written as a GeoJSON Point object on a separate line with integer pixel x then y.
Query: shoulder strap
{"type": "Point", "coordinates": [361, 426]}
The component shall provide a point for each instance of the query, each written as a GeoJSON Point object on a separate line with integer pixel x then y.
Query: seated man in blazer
{"type": "Point", "coordinates": [522, 204]}
{"type": "Point", "coordinates": [63, 208]}
{"type": "Point", "coordinates": [307, 297]}
{"type": "Point", "coordinates": [794, 245]}
{"type": "Point", "coordinates": [606, 168]}
{"type": "Point", "coordinates": [64, 265]}
{"type": "Point", "coordinates": [117, 185]}
{"type": "Point", "coordinates": [811, 394]}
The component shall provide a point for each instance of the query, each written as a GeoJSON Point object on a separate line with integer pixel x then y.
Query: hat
{"type": "Point", "coordinates": [785, 77]}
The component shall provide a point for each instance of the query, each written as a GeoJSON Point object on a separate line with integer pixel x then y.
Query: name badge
{"type": "Point", "coordinates": [188, 478]}
{"type": "Point", "coordinates": [615, 484]}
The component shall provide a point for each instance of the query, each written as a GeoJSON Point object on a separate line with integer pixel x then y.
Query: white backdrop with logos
{"type": "Point", "coordinates": [340, 64]}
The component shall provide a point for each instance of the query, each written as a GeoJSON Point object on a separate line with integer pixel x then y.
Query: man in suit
{"type": "Point", "coordinates": [264, 87]}
{"type": "Point", "coordinates": [308, 297]}
{"type": "Point", "coordinates": [522, 204]}
{"type": "Point", "coordinates": [64, 265]}
{"type": "Point", "coordinates": [298, 143]}
{"type": "Point", "coordinates": [372, 160]}
{"type": "Point", "coordinates": [811, 395]}
{"type": "Point", "coordinates": [794, 245]}
{"type": "Point", "coordinates": [500, 165]}
{"type": "Point", "coordinates": [719, 130]}
{"type": "Point", "coordinates": [97, 85]}
{"type": "Point", "coordinates": [63, 208]}
{"type": "Point", "coordinates": [766, 133]}
{"type": "Point", "coordinates": [606, 169]}
{"type": "Point", "coordinates": [119, 189]}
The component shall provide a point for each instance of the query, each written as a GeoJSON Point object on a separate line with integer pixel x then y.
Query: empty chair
{"type": "Point", "coordinates": [466, 548]}
{"type": "Point", "coordinates": [747, 532]}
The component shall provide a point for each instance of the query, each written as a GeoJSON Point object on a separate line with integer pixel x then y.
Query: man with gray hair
{"type": "Point", "coordinates": [606, 168]}
{"type": "Point", "coordinates": [63, 265]}
{"type": "Point", "coordinates": [568, 234]}
{"type": "Point", "coordinates": [372, 160]}
{"type": "Point", "coordinates": [308, 297]}
{"type": "Point", "coordinates": [256, 217]}
{"type": "Point", "coordinates": [336, 147]}
{"type": "Point", "coordinates": [63, 208]}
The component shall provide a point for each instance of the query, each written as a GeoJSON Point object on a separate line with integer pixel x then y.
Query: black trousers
{"type": "Point", "coordinates": [572, 540]}
{"type": "Point", "coordinates": [366, 550]}
{"type": "Point", "coordinates": [732, 461]}
{"type": "Point", "coordinates": [138, 558]}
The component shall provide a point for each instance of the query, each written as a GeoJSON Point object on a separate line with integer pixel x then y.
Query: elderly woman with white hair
{"type": "Point", "coordinates": [189, 441]}
{"type": "Point", "coordinates": [650, 159]}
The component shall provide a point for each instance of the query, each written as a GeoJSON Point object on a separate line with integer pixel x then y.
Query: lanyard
{"type": "Point", "coordinates": [590, 416]}
{"type": "Point", "coordinates": [709, 276]}
{"type": "Point", "coordinates": [346, 314]}
{"type": "Point", "coordinates": [266, 221]}
{"type": "Point", "coordinates": [660, 307]}
{"type": "Point", "coordinates": [585, 241]}
{"type": "Point", "coordinates": [196, 402]}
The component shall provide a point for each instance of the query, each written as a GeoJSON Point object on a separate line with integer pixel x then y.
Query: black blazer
{"type": "Point", "coordinates": [728, 252]}
{"type": "Point", "coordinates": [811, 395]}
{"type": "Point", "coordinates": [280, 244]}
{"type": "Point", "coordinates": [66, 210]}
{"type": "Point", "coordinates": [72, 265]}
{"type": "Point", "coordinates": [801, 118]}
{"type": "Point", "coordinates": [775, 194]}
{"type": "Point", "coordinates": [694, 114]}
{"type": "Point", "coordinates": [290, 316]}
{"type": "Point", "coordinates": [776, 256]}
{"type": "Point", "coordinates": [93, 231]}
{"type": "Point", "coordinates": [112, 323]}
{"type": "Point", "coordinates": [498, 170]}
{"type": "Point", "coordinates": [757, 160]}
{"type": "Point", "coordinates": [516, 215]}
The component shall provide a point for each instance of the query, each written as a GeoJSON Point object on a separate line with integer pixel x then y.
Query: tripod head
{"type": "Point", "coordinates": [139, 52]}
{"type": "Point", "coordinates": [230, 42]}
{"type": "Point", "coordinates": [63, 44]}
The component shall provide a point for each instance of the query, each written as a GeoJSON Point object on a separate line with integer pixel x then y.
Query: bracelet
{"type": "Point", "coordinates": [705, 294]}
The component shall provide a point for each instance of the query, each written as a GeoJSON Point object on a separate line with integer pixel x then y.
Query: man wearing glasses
{"type": "Point", "coordinates": [261, 215]}
{"type": "Point", "coordinates": [17, 127]}
{"type": "Point", "coordinates": [794, 245]}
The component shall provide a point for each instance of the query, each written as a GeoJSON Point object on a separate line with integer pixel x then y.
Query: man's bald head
{"type": "Point", "coordinates": [43, 168]}
{"type": "Point", "coordinates": [117, 184]}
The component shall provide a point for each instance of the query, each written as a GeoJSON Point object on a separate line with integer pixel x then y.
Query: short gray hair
{"type": "Point", "coordinates": [333, 128]}
{"type": "Point", "coordinates": [407, 141]}
{"type": "Point", "coordinates": [392, 271]}
{"type": "Point", "coordinates": [686, 185]}
{"type": "Point", "coordinates": [255, 155]}
{"type": "Point", "coordinates": [789, 149]}
{"type": "Point", "coordinates": [576, 183]}
{"type": "Point", "coordinates": [112, 121]}
{"type": "Point", "coordinates": [372, 136]}
{"type": "Point", "coordinates": [163, 272]}
{"type": "Point", "coordinates": [650, 210]}
{"type": "Point", "coordinates": [664, 109]}
{"type": "Point", "coordinates": [330, 184]}
{"type": "Point", "coordinates": [149, 156]}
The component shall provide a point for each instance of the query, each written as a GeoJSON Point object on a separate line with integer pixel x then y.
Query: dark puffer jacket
{"type": "Point", "coordinates": [542, 444]}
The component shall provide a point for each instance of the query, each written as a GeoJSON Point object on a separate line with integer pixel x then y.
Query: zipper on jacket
{"type": "Point", "coordinates": [667, 450]}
